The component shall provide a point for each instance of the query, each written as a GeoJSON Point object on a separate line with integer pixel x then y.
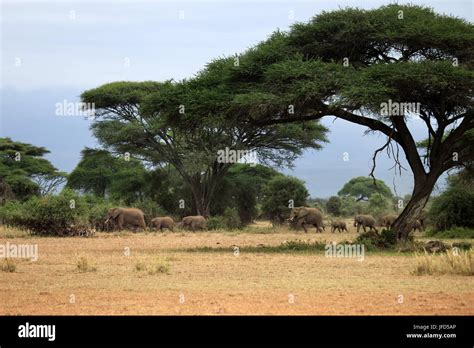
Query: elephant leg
{"type": "Point", "coordinates": [304, 227]}
{"type": "Point", "coordinates": [363, 227]}
{"type": "Point", "coordinates": [358, 228]}
{"type": "Point", "coordinates": [120, 222]}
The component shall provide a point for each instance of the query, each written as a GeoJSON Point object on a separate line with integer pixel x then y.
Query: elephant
{"type": "Point", "coordinates": [387, 220]}
{"type": "Point", "coordinates": [364, 221]}
{"type": "Point", "coordinates": [338, 225]}
{"type": "Point", "coordinates": [126, 216]}
{"type": "Point", "coordinates": [416, 225]}
{"type": "Point", "coordinates": [307, 216]}
{"type": "Point", "coordinates": [194, 222]}
{"type": "Point", "coordinates": [163, 222]}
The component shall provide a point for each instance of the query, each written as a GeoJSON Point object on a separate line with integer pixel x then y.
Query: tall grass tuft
{"type": "Point", "coordinates": [450, 262]}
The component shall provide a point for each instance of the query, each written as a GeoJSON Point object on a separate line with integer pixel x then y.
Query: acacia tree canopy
{"type": "Point", "coordinates": [351, 63]}
{"type": "Point", "coordinates": [24, 172]}
{"type": "Point", "coordinates": [183, 124]}
{"type": "Point", "coordinates": [361, 188]}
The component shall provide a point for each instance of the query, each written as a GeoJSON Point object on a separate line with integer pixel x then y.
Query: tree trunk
{"type": "Point", "coordinates": [201, 203]}
{"type": "Point", "coordinates": [421, 193]}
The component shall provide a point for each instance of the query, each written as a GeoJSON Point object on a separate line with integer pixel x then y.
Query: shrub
{"type": "Point", "coordinates": [387, 239]}
{"type": "Point", "coordinates": [64, 214]}
{"type": "Point", "coordinates": [454, 232]}
{"type": "Point", "coordinates": [8, 265]}
{"type": "Point", "coordinates": [216, 223]}
{"type": "Point", "coordinates": [232, 219]}
{"type": "Point", "coordinates": [83, 265]}
{"type": "Point", "coordinates": [160, 266]}
{"type": "Point", "coordinates": [97, 212]}
{"type": "Point", "coordinates": [150, 208]}
{"type": "Point", "coordinates": [334, 205]}
{"type": "Point", "coordinates": [379, 204]}
{"type": "Point", "coordinates": [462, 245]}
{"type": "Point", "coordinates": [276, 195]}
{"type": "Point", "coordinates": [453, 208]}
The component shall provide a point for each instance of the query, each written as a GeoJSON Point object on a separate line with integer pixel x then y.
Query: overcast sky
{"type": "Point", "coordinates": [52, 51]}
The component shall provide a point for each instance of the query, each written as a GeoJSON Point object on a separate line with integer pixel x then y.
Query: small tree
{"type": "Point", "coordinates": [334, 205]}
{"type": "Point", "coordinates": [281, 194]}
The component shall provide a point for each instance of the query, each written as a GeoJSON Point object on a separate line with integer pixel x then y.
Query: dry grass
{"type": "Point", "coordinates": [221, 282]}
{"type": "Point", "coordinates": [460, 263]}
{"type": "Point", "coordinates": [159, 266]}
{"type": "Point", "coordinates": [8, 265]}
{"type": "Point", "coordinates": [83, 264]}
{"type": "Point", "coordinates": [13, 232]}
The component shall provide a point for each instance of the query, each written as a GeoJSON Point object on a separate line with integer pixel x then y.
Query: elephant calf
{"type": "Point", "coordinates": [194, 222]}
{"type": "Point", "coordinates": [338, 225]}
{"type": "Point", "coordinates": [364, 221]}
{"type": "Point", "coordinates": [162, 222]}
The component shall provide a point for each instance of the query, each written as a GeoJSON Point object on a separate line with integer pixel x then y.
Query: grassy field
{"type": "Point", "coordinates": [171, 273]}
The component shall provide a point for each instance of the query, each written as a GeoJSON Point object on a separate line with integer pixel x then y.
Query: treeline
{"type": "Point", "coordinates": [28, 197]}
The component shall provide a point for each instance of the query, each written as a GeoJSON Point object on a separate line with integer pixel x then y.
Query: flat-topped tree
{"type": "Point", "coordinates": [360, 66]}
{"type": "Point", "coordinates": [182, 124]}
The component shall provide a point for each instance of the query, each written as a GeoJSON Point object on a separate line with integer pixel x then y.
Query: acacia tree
{"type": "Point", "coordinates": [182, 124]}
{"type": "Point", "coordinates": [376, 68]}
{"type": "Point", "coordinates": [24, 172]}
{"type": "Point", "coordinates": [361, 188]}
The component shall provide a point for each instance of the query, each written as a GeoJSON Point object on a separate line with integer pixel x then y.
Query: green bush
{"type": "Point", "coordinates": [334, 205]}
{"type": "Point", "coordinates": [150, 208]}
{"type": "Point", "coordinates": [462, 245]}
{"type": "Point", "coordinates": [232, 219]}
{"type": "Point", "coordinates": [216, 223]}
{"type": "Point", "coordinates": [48, 215]}
{"type": "Point", "coordinates": [453, 208]}
{"type": "Point", "coordinates": [387, 239]}
{"type": "Point", "coordinates": [454, 232]}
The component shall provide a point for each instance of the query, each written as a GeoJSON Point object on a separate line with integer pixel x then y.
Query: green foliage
{"type": "Point", "coordinates": [160, 132]}
{"type": "Point", "coordinates": [102, 174]}
{"type": "Point", "coordinates": [150, 208]}
{"type": "Point", "coordinates": [387, 239]}
{"type": "Point", "coordinates": [24, 172]}
{"type": "Point", "coordinates": [453, 232]}
{"type": "Point", "coordinates": [216, 223]}
{"type": "Point", "coordinates": [292, 246]}
{"type": "Point", "coordinates": [379, 204]}
{"type": "Point", "coordinates": [334, 206]}
{"type": "Point", "coordinates": [361, 188]}
{"type": "Point", "coordinates": [48, 215]}
{"type": "Point", "coordinates": [454, 207]}
{"type": "Point", "coordinates": [242, 188]}
{"type": "Point", "coordinates": [462, 245]}
{"type": "Point", "coordinates": [232, 219]}
{"type": "Point", "coordinates": [351, 207]}
{"type": "Point", "coordinates": [277, 195]}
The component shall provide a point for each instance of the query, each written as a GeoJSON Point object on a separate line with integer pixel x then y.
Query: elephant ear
{"type": "Point", "coordinates": [302, 212]}
{"type": "Point", "coordinates": [115, 213]}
